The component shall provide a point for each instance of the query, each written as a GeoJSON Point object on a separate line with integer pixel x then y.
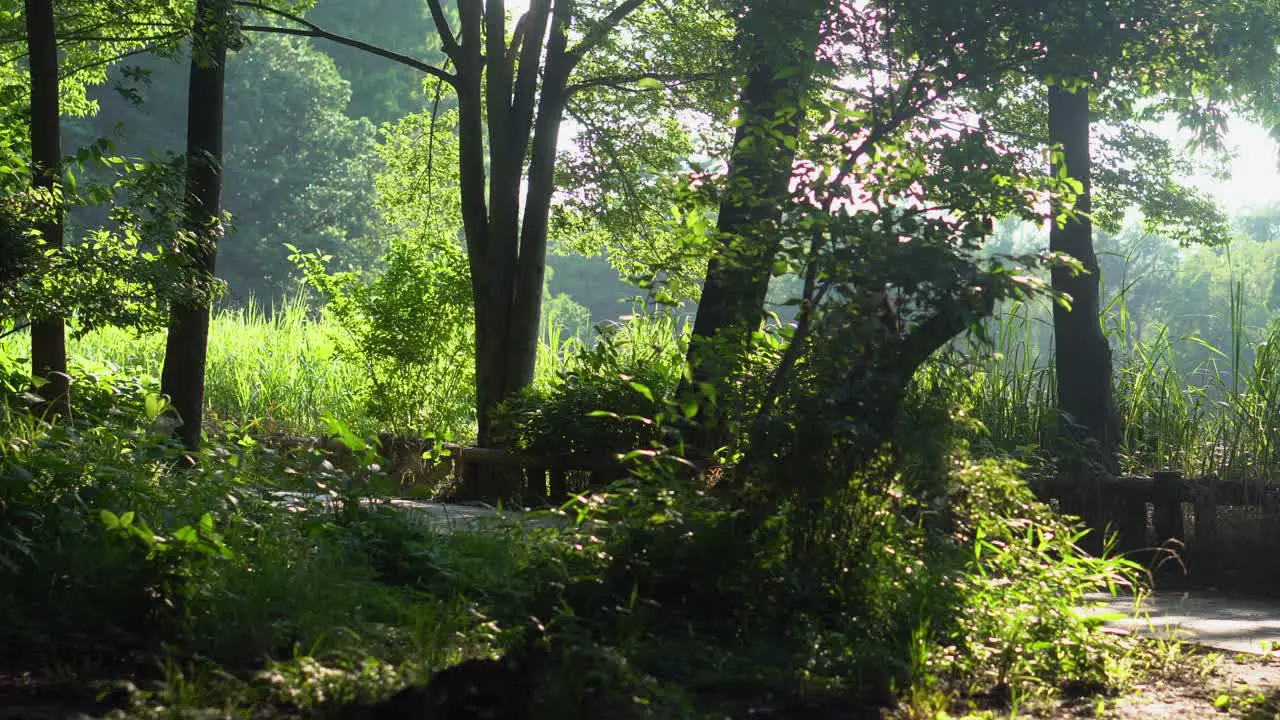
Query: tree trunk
{"type": "Point", "coordinates": [1083, 355]}
{"type": "Point", "coordinates": [507, 256]}
{"type": "Point", "coordinates": [48, 332]}
{"type": "Point", "coordinates": [531, 265]}
{"type": "Point", "coordinates": [780, 38]}
{"type": "Point", "coordinates": [186, 349]}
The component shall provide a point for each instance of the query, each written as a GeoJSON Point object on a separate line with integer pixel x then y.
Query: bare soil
{"type": "Point", "coordinates": [1227, 686]}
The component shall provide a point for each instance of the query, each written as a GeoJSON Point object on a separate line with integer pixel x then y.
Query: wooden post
{"type": "Point", "coordinates": [1167, 499]}
{"type": "Point", "coordinates": [559, 486]}
{"type": "Point", "coordinates": [1130, 513]}
{"type": "Point", "coordinates": [1204, 547]}
{"type": "Point", "coordinates": [535, 485]}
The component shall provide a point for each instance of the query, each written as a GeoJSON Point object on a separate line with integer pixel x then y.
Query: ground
{"type": "Point", "coordinates": [1198, 683]}
{"type": "Point", "coordinates": [1182, 683]}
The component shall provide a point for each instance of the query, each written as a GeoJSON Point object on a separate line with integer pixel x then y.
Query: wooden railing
{"type": "Point", "coordinates": [542, 478]}
{"type": "Point", "coordinates": [1225, 532]}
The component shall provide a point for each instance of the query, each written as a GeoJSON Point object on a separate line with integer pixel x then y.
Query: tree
{"type": "Point", "coordinates": [94, 276]}
{"type": "Point", "coordinates": [779, 39]}
{"type": "Point", "coordinates": [182, 377]}
{"type": "Point", "coordinates": [296, 167]}
{"type": "Point", "coordinates": [1083, 366]}
{"type": "Point", "coordinates": [48, 332]}
{"type": "Point", "coordinates": [512, 93]}
{"type": "Point", "coordinates": [1143, 49]}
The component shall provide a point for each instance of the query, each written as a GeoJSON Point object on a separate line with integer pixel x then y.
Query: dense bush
{"type": "Point", "coordinates": [602, 397]}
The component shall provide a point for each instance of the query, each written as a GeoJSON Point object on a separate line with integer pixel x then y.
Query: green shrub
{"type": "Point", "coordinates": [410, 330]}
{"type": "Point", "coordinates": [601, 400]}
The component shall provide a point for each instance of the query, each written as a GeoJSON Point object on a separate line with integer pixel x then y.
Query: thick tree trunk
{"type": "Point", "coordinates": [48, 333]}
{"type": "Point", "coordinates": [1083, 355]}
{"type": "Point", "coordinates": [186, 349]}
{"type": "Point", "coordinates": [780, 39]}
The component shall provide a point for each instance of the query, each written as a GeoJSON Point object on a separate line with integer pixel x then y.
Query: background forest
{"type": "Point", "coordinates": [762, 337]}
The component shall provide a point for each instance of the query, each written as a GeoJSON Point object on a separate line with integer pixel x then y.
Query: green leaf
{"type": "Point", "coordinates": [109, 519]}
{"type": "Point", "coordinates": [154, 406]}
{"type": "Point", "coordinates": [354, 442]}
{"type": "Point", "coordinates": [689, 408]}
{"type": "Point", "coordinates": [643, 390]}
{"type": "Point", "coordinates": [649, 83]}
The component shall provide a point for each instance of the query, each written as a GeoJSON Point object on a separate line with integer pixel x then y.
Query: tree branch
{"type": "Point", "coordinates": [606, 26]}
{"type": "Point", "coordinates": [532, 28]}
{"type": "Point", "coordinates": [71, 72]}
{"type": "Point", "coordinates": [448, 41]}
{"type": "Point", "coordinates": [631, 78]}
{"type": "Point", "coordinates": [939, 329]}
{"type": "Point", "coordinates": [310, 29]}
{"type": "Point", "coordinates": [396, 57]}
{"type": "Point", "coordinates": [62, 39]}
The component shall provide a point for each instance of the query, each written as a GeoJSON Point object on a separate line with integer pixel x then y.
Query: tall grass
{"type": "Point", "coordinates": [278, 366]}
{"type": "Point", "coordinates": [1220, 415]}
{"type": "Point", "coordinates": [275, 366]}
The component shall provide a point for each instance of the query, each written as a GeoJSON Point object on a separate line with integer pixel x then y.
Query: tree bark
{"type": "Point", "coordinates": [186, 349]}
{"type": "Point", "coordinates": [1083, 355]}
{"type": "Point", "coordinates": [531, 264]}
{"type": "Point", "coordinates": [48, 332]}
{"type": "Point", "coordinates": [780, 41]}
{"type": "Point", "coordinates": [505, 102]}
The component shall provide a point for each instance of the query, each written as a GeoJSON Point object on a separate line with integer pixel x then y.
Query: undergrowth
{"type": "Point", "coordinates": [117, 557]}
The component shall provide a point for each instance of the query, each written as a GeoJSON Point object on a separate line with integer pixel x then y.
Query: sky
{"type": "Point", "coordinates": [1255, 170]}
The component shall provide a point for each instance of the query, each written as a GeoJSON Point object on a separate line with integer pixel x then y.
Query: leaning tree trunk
{"type": "Point", "coordinates": [1083, 354]}
{"type": "Point", "coordinates": [48, 332]}
{"type": "Point", "coordinates": [186, 349]}
{"type": "Point", "coordinates": [780, 39]}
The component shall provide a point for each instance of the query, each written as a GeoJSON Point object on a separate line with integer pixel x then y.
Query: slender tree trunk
{"type": "Point", "coordinates": [530, 271]}
{"type": "Point", "coordinates": [48, 332]}
{"type": "Point", "coordinates": [514, 96]}
{"type": "Point", "coordinates": [186, 349]}
{"type": "Point", "coordinates": [1083, 354]}
{"type": "Point", "coordinates": [780, 40]}
{"type": "Point", "coordinates": [507, 256]}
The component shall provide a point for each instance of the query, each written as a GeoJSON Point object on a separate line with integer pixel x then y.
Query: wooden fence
{"type": "Point", "coordinates": [1224, 532]}
{"type": "Point", "coordinates": [541, 479]}
{"type": "Point", "coordinates": [1204, 530]}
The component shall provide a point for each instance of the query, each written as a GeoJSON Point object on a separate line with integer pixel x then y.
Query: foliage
{"type": "Point", "coordinates": [297, 168]}
{"type": "Point", "coordinates": [409, 334]}
{"type": "Point", "coordinates": [411, 327]}
{"type": "Point", "coordinates": [124, 273]}
{"type": "Point", "coordinates": [381, 91]}
{"type": "Point", "coordinates": [599, 400]}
